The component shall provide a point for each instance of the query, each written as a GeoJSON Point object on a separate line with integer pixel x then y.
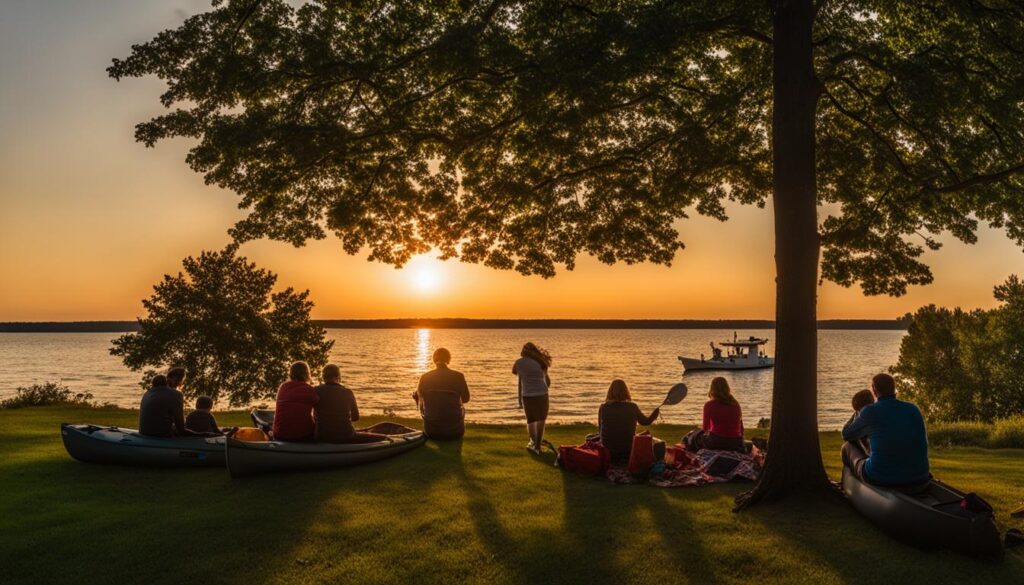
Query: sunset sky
{"type": "Point", "coordinates": [90, 219]}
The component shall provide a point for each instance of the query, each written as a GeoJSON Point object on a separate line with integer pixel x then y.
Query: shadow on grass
{"type": "Point", "coordinates": [830, 533]}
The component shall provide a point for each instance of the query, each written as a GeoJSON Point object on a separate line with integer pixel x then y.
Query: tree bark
{"type": "Point", "coordinates": [794, 456]}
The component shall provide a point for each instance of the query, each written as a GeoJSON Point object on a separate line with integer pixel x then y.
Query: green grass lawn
{"type": "Point", "coordinates": [483, 511]}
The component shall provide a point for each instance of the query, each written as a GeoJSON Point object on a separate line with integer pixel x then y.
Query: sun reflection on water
{"type": "Point", "coordinates": [423, 349]}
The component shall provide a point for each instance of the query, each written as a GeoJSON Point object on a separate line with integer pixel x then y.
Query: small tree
{"type": "Point", "coordinates": [221, 321]}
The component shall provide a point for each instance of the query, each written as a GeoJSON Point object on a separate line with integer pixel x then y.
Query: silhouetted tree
{"type": "Point", "coordinates": [221, 321]}
{"type": "Point", "coordinates": [521, 134]}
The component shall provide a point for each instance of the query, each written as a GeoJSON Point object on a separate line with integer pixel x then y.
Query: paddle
{"type": "Point", "coordinates": [675, 395]}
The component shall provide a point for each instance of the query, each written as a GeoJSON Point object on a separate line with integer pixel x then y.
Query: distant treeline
{"type": "Point", "coordinates": [734, 324]}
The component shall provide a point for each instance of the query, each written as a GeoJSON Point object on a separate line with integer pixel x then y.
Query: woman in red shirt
{"type": "Point", "coordinates": [293, 415]}
{"type": "Point", "coordinates": [723, 421]}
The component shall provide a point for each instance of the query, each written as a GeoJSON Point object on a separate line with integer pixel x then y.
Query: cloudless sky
{"type": "Point", "coordinates": [90, 219]}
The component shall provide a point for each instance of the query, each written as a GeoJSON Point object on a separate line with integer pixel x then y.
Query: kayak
{"type": "Point", "coordinates": [251, 457]}
{"type": "Point", "coordinates": [930, 518]}
{"type": "Point", "coordinates": [118, 446]}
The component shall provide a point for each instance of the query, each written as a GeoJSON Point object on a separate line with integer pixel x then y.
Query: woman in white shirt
{"type": "Point", "coordinates": [532, 369]}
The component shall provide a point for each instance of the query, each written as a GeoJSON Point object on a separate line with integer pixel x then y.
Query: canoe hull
{"type": "Point", "coordinates": [248, 458]}
{"type": "Point", "coordinates": [117, 446]}
{"type": "Point", "coordinates": [933, 519]}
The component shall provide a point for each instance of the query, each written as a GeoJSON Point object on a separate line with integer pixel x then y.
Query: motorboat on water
{"type": "Point", "coordinates": [741, 354]}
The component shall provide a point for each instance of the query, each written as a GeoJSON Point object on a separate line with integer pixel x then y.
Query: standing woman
{"type": "Point", "coordinates": [532, 369]}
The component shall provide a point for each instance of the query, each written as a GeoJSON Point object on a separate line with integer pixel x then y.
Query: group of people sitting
{"type": "Point", "coordinates": [885, 440]}
{"type": "Point", "coordinates": [162, 411]}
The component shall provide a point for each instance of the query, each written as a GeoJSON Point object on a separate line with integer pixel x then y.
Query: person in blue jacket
{"type": "Point", "coordinates": [896, 436]}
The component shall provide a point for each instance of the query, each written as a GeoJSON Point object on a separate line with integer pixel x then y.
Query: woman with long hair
{"type": "Point", "coordinates": [617, 419]}
{"type": "Point", "coordinates": [723, 420]}
{"type": "Point", "coordinates": [293, 413]}
{"type": "Point", "coordinates": [534, 381]}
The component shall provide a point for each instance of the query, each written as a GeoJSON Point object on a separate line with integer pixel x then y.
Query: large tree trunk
{"type": "Point", "coordinates": [794, 456]}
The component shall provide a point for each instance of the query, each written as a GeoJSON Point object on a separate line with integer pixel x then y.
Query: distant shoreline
{"type": "Point", "coordinates": [454, 323]}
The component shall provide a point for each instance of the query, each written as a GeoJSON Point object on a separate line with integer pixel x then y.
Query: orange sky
{"type": "Point", "coordinates": [89, 219]}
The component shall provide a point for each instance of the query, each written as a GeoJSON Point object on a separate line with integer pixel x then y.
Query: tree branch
{"type": "Point", "coordinates": [979, 179]}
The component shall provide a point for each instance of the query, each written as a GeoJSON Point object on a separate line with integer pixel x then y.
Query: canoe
{"type": "Point", "coordinates": [251, 457]}
{"type": "Point", "coordinates": [931, 518]}
{"type": "Point", "coordinates": [262, 419]}
{"type": "Point", "coordinates": [118, 446]}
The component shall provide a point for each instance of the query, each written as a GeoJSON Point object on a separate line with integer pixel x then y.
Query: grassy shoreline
{"type": "Point", "coordinates": [480, 511]}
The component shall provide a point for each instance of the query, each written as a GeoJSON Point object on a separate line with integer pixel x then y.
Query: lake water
{"type": "Point", "coordinates": [383, 365]}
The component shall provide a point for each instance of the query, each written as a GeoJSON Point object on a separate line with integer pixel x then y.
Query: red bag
{"type": "Point", "coordinates": [641, 456]}
{"type": "Point", "coordinates": [589, 459]}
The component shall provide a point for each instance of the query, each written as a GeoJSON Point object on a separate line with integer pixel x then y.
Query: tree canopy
{"type": "Point", "coordinates": [222, 322]}
{"type": "Point", "coordinates": [521, 134]}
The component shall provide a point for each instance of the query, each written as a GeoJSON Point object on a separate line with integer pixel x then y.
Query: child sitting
{"type": "Point", "coordinates": [201, 419]}
{"type": "Point", "coordinates": [860, 400]}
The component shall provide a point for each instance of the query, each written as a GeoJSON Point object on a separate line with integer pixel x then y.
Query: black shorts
{"type": "Point", "coordinates": [536, 408]}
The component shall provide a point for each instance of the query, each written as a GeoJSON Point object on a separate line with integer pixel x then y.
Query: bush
{"type": "Point", "coordinates": [47, 394]}
{"type": "Point", "coordinates": [1008, 433]}
{"type": "Point", "coordinates": [959, 434]}
{"type": "Point", "coordinates": [1005, 433]}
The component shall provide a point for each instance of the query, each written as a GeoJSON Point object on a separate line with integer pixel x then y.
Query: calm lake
{"type": "Point", "coordinates": [383, 365]}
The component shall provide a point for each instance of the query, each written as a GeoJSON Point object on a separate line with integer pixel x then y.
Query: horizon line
{"type": "Point", "coordinates": [99, 326]}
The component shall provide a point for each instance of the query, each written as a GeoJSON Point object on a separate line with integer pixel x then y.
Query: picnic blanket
{"type": "Point", "coordinates": [683, 468]}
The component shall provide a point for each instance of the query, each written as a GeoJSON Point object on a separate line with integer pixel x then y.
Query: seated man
{"type": "Point", "coordinates": [896, 436]}
{"type": "Point", "coordinates": [336, 410]}
{"type": "Point", "coordinates": [440, 396]}
{"type": "Point", "coordinates": [162, 411]}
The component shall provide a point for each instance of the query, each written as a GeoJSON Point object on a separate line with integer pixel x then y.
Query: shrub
{"type": "Point", "coordinates": [47, 394]}
{"type": "Point", "coordinates": [1008, 433]}
{"type": "Point", "coordinates": [959, 434]}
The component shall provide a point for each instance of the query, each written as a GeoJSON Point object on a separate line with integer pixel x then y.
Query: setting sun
{"type": "Point", "coordinates": [424, 274]}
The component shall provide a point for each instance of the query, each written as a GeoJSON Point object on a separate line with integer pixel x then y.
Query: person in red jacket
{"type": "Point", "coordinates": [723, 421]}
{"type": "Point", "coordinates": [293, 415]}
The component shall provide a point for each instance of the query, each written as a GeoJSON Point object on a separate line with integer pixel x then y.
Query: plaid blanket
{"type": "Point", "coordinates": [683, 468]}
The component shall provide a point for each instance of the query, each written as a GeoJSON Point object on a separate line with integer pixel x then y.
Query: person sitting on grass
{"type": "Point", "coordinates": [201, 419]}
{"type": "Point", "coordinates": [617, 419]}
{"type": "Point", "coordinates": [336, 410]}
{"type": "Point", "coordinates": [440, 397]}
{"type": "Point", "coordinates": [293, 414]}
{"type": "Point", "coordinates": [722, 429]}
{"type": "Point", "coordinates": [162, 411]}
{"type": "Point", "coordinates": [896, 437]}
